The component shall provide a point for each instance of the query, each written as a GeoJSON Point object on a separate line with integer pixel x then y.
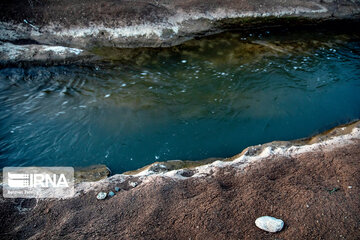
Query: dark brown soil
{"type": "Point", "coordinates": [310, 193]}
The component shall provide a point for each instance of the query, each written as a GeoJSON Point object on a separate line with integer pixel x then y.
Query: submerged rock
{"type": "Point", "coordinates": [91, 173]}
{"type": "Point", "coordinates": [269, 224]}
{"type": "Point", "coordinates": [101, 195]}
{"type": "Point", "coordinates": [158, 168]}
{"type": "Point", "coordinates": [11, 53]}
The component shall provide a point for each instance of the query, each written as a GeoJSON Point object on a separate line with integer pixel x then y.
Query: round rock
{"type": "Point", "coordinates": [269, 224]}
{"type": "Point", "coordinates": [101, 195]}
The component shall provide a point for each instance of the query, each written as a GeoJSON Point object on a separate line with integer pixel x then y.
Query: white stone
{"type": "Point", "coordinates": [133, 184]}
{"type": "Point", "coordinates": [269, 224]}
{"type": "Point", "coordinates": [101, 195]}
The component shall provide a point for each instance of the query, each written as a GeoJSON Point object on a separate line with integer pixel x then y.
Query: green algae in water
{"type": "Point", "coordinates": [206, 98]}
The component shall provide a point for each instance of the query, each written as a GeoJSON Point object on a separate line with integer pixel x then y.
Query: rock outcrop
{"type": "Point", "coordinates": [88, 23]}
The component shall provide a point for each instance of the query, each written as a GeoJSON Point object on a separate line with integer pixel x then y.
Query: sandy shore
{"type": "Point", "coordinates": [312, 184]}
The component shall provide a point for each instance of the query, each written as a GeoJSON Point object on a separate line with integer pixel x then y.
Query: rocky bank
{"type": "Point", "coordinates": [85, 24]}
{"type": "Point", "coordinates": [312, 184]}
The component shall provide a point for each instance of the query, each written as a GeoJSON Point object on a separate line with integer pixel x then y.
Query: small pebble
{"type": "Point", "coordinates": [101, 195]}
{"type": "Point", "coordinates": [269, 224]}
{"type": "Point", "coordinates": [111, 194]}
{"type": "Point", "coordinates": [133, 184]}
{"type": "Point", "coordinates": [117, 189]}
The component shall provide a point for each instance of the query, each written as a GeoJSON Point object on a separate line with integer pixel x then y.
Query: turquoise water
{"type": "Point", "coordinates": [206, 98]}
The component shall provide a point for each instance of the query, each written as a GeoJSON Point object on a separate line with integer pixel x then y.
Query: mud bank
{"type": "Point", "coordinates": [312, 184]}
{"type": "Point", "coordinates": [90, 23]}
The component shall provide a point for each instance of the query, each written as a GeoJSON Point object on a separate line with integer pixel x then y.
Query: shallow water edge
{"type": "Point", "coordinates": [181, 169]}
{"type": "Point", "coordinates": [22, 52]}
{"type": "Point", "coordinates": [336, 137]}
